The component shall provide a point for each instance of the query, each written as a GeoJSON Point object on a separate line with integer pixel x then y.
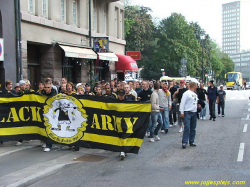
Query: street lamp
{"type": "Point", "coordinates": [203, 37]}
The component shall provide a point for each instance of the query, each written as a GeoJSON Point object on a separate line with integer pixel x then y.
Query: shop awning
{"type": "Point", "coordinates": [78, 52]}
{"type": "Point", "coordinates": [107, 56]}
{"type": "Point", "coordinates": [125, 64]}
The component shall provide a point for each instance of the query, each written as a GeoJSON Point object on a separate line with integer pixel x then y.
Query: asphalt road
{"type": "Point", "coordinates": [218, 157]}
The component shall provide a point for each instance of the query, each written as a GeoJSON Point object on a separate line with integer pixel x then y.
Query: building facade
{"type": "Point", "coordinates": [51, 28]}
{"type": "Point", "coordinates": [242, 63]}
{"type": "Point", "coordinates": [235, 27]}
{"type": "Point", "coordinates": [8, 66]}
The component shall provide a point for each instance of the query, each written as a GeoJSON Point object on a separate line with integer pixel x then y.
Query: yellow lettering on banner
{"type": "Point", "coordinates": [13, 115]}
{"type": "Point", "coordinates": [118, 123]}
{"type": "Point", "coordinates": [35, 113]}
{"type": "Point", "coordinates": [106, 123]}
{"type": "Point", "coordinates": [21, 114]}
{"type": "Point", "coordinates": [130, 124]}
{"type": "Point", "coordinates": [3, 120]}
{"type": "Point", "coordinates": [95, 123]}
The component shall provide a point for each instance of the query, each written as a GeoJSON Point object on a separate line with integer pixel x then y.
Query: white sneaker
{"type": "Point", "coordinates": [122, 155]}
{"type": "Point", "coordinates": [162, 131]}
{"type": "Point", "coordinates": [219, 115]}
{"type": "Point", "coordinates": [170, 126]}
{"type": "Point", "coordinates": [147, 134]}
{"type": "Point", "coordinates": [181, 129]}
{"type": "Point", "coordinates": [157, 138]}
{"type": "Point", "coordinates": [46, 150]}
{"type": "Point", "coordinates": [204, 118]}
{"type": "Point", "coordinates": [175, 123]}
{"type": "Point", "coordinates": [18, 143]}
{"type": "Point", "coordinates": [152, 140]}
{"type": "Point", "coordinates": [201, 117]}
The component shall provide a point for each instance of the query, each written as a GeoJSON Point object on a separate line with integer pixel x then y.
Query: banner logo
{"type": "Point", "coordinates": [65, 119]}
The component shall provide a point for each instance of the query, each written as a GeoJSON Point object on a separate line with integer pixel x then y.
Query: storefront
{"type": "Point", "coordinates": [105, 66]}
{"type": "Point", "coordinates": [125, 65]}
{"type": "Point", "coordinates": [77, 63]}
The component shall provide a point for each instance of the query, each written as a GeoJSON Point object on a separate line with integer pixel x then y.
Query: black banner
{"type": "Point", "coordinates": [85, 121]}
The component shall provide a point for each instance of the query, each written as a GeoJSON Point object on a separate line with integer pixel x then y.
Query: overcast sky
{"type": "Point", "coordinates": [206, 12]}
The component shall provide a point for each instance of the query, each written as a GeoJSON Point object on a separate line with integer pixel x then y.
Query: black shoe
{"type": "Point", "coordinates": [222, 115]}
{"type": "Point", "coordinates": [210, 118]}
{"type": "Point", "coordinates": [214, 119]}
{"type": "Point", "coordinates": [193, 144]}
{"type": "Point", "coordinates": [184, 146]}
{"type": "Point", "coordinates": [166, 131]}
{"type": "Point", "coordinates": [75, 148]}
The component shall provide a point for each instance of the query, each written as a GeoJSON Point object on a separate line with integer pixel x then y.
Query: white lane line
{"type": "Point", "coordinates": [241, 152]}
{"type": "Point", "coordinates": [245, 128]}
{"type": "Point", "coordinates": [16, 150]}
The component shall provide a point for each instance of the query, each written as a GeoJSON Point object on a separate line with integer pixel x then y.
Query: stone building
{"type": "Point", "coordinates": [56, 39]}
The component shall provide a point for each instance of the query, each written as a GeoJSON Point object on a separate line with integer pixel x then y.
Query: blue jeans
{"type": "Point", "coordinates": [203, 110]}
{"type": "Point", "coordinates": [154, 127]}
{"type": "Point", "coordinates": [165, 118]}
{"type": "Point", "coordinates": [190, 121]}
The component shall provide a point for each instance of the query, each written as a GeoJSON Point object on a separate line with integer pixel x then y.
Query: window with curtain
{"type": "Point", "coordinates": [63, 11]}
{"type": "Point", "coordinates": [45, 8]}
{"type": "Point", "coordinates": [32, 6]}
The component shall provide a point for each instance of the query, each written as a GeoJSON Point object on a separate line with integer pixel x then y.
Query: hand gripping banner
{"type": "Point", "coordinates": [85, 121]}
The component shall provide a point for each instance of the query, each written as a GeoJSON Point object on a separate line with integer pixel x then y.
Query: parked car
{"type": "Point", "coordinates": [247, 85]}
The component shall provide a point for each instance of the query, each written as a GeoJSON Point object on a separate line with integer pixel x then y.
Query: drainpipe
{"type": "Point", "coordinates": [90, 42]}
{"type": "Point", "coordinates": [18, 40]}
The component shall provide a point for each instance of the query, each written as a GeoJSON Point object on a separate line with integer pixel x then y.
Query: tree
{"type": "Point", "coordinates": [177, 40]}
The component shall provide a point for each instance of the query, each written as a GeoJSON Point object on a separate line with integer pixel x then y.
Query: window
{"type": "Point", "coordinates": [94, 16]}
{"type": "Point", "coordinates": [75, 13]}
{"type": "Point", "coordinates": [45, 8]}
{"type": "Point", "coordinates": [32, 6]}
{"type": "Point", "coordinates": [104, 19]}
{"type": "Point", "coordinates": [121, 24]}
{"type": "Point", "coordinates": [63, 11]}
{"type": "Point", "coordinates": [116, 22]}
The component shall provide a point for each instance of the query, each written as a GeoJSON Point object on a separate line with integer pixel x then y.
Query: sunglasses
{"type": "Point", "coordinates": [47, 87]}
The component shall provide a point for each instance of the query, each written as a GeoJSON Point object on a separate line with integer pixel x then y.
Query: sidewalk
{"type": "Point", "coordinates": [35, 172]}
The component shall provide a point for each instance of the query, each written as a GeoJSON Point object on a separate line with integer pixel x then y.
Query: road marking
{"type": "Point", "coordinates": [16, 150]}
{"type": "Point", "coordinates": [245, 128]}
{"type": "Point", "coordinates": [241, 152]}
{"type": "Point", "coordinates": [247, 118]}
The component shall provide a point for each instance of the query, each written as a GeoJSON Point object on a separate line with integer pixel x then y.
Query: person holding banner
{"type": "Point", "coordinates": [9, 88]}
{"type": "Point", "coordinates": [48, 92]}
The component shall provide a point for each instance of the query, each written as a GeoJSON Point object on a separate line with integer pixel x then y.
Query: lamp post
{"type": "Point", "coordinates": [203, 37]}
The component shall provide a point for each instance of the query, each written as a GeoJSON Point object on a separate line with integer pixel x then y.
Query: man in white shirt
{"type": "Point", "coordinates": [188, 111]}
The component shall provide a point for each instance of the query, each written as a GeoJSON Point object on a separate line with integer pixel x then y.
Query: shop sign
{"type": "Point", "coordinates": [135, 55]}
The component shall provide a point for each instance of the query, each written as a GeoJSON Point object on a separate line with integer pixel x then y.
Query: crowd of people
{"type": "Point", "coordinates": [173, 103]}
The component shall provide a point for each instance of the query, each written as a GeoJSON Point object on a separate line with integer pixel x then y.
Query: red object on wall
{"type": "Point", "coordinates": [136, 55]}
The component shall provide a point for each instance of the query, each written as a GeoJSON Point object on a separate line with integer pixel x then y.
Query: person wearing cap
{"type": "Point", "coordinates": [212, 97]}
{"type": "Point", "coordinates": [17, 88]}
{"type": "Point", "coordinates": [22, 85]}
{"type": "Point", "coordinates": [80, 91]}
{"type": "Point", "coordinates": [8, 87]}
{"type": "Point", "coordinates": [121, 97]}
{"type": "Point", "coordinates": [178, 94]}
{"type": "Point", "coordinates": [221, 98]}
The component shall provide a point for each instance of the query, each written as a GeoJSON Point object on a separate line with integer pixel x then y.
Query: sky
{"type": "Point", "coordinates": [208, 13]}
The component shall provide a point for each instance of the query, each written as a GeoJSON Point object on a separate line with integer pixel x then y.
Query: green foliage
{"type": "Point", "coordinates": [164, 45]}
